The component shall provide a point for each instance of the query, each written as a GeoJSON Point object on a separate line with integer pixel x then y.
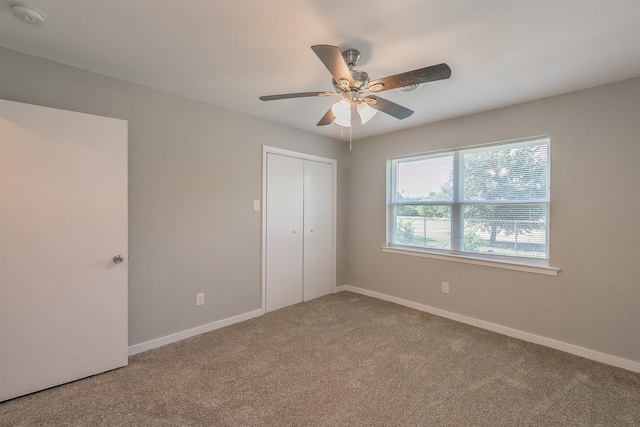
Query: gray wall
{"type": "Point", "coordinates": [595, 236]}
{"type": "Point", "coordinates": [194, 171]}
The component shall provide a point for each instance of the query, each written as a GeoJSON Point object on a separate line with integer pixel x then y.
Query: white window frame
{"type": "Point", "coordinates": [455, 254]}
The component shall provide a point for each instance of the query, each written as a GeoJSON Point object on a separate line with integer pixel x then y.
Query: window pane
{"type": "Point", "coordinates": [483, 199]}
{"type": "Point", "coordinates": [512, 230]}
{"type": "Point", "coordinates": [514, 173]}
{"type": "Point", "coordinates": [426, 179]}
{"type": "Point", "coordinates": [423, 226]}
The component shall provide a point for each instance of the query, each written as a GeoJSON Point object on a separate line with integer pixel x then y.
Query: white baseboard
{"type": "Point", "coordinates": [608, 359]}
{"type": "Point", "coordinates": [159, 342]}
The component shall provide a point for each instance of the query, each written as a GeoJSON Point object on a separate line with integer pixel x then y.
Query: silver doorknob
{"type": "Point", "coordinates": [118, 259]}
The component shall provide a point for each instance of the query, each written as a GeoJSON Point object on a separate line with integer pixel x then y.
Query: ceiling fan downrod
{"type": "Point", "coordinates": [351, 57]}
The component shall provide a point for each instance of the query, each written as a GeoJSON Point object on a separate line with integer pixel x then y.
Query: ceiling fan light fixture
{"type": "Point", "coordinates": [350, 83]}
{"type": "Point", "coordinates": [366, 112]}
{"type": "Point", "coordinates": [342, 111]}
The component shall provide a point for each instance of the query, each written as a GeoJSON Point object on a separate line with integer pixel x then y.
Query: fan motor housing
{"type": "Point", "coordinates": [360, 81]}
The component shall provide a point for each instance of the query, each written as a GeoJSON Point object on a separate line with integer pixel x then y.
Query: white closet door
{"type": "Point", "coordinates": [318, 229]}
{"type": "Point", "coordinates": [285, 232]}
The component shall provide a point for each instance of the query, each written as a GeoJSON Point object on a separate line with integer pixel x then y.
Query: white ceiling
{"type": "Point", "coordinates": [229, 52]}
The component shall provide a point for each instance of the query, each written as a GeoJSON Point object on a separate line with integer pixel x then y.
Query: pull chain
{"type": "Point", "coordinates": [342, 135]}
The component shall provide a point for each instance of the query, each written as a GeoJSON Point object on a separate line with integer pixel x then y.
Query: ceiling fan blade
{"type": "Point", "coordinates": [294, 95]}
{"type": "Point", "coordinates": [327, 119]}
{"type": "Point", "coordinates": [421, 75]}
{"type": "Point", "coordinates": [333, 60]}
{"type": "Point", "coordinates": [386, 106]}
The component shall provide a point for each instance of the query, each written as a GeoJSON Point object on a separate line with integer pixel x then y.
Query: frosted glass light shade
{"type": "Point", "coordinates": [342, 111]}
{"type": "Point", "coordinates": [365, 112]}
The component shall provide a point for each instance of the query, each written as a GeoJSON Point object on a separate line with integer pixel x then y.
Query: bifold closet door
{"type": "Point", "coordinates": [284, 235]}
{"type": "Point", "coordinates": [318, 229]}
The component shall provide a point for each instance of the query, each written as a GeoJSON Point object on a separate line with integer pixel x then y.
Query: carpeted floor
{"type": "Point", "coordinates": [343, 360]}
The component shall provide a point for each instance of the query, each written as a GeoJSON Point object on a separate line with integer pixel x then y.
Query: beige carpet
{"type": "Point", "coordinates": [343, 360]}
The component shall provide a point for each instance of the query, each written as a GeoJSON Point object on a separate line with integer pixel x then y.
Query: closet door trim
{"type": "Point", "coordinates": [274, 150]}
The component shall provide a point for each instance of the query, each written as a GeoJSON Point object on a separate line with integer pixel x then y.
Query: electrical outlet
{"type": "Point", "coordinates": [445, 287]}
{"type": "Point", "coordinates": [199, 299]}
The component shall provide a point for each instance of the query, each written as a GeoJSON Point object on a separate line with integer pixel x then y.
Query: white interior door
{"type": "Point", "coordinates": [284, 231]}
{"type": "Point", "coordinates": [63, 218]}
{"type": "Point", "coordinates": [318, 229]}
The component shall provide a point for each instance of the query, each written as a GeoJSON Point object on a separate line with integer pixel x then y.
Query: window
{"type": "Point", "coordinates": [489, 201]}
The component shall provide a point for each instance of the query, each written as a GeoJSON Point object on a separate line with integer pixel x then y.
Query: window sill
{"type": "Point", "coordinates": [536, 267]}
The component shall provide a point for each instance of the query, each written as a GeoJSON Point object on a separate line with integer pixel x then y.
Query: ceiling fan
{"type": "Point", "coordinates": [353, 84]}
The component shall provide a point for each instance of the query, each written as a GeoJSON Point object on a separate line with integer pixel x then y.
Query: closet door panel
{"type": "Point", "coordinates": [318, 229]}
{"type": "Point", "coordinates": [285, 232]}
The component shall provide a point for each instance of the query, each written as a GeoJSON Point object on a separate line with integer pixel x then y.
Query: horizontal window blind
{"type": "Point", "coordinates": [490, 200]}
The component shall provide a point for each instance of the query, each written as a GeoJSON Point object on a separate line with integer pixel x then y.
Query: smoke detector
{"type": "Point", "coordinates": [28, 14]}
